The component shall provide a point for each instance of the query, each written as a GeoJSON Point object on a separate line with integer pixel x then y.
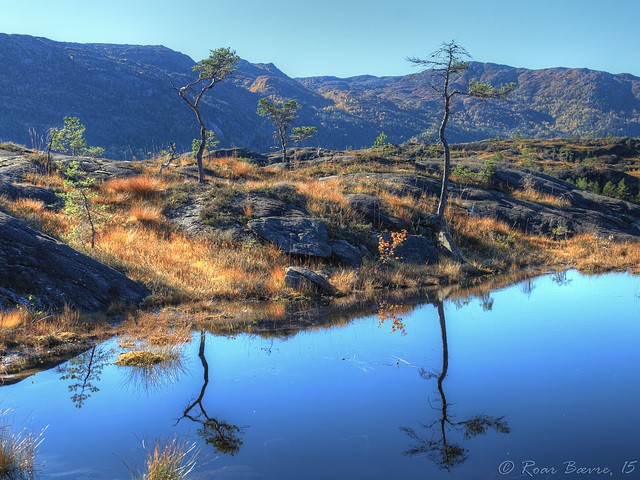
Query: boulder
{"type": "Point", "coordinates": [346, 253]}
{"type": "Point", "coordinates": [371, 208]}
{"type": "Point", "coordinates": [414, 249]}
{"type": "Point", "coordinates": [306, 279]}
{"type": "Point", "coordinates": [266, 206]}
{"type": "Point", "coordinates": [37, 269]}
{"type": "Point", "coordinates": [295, 235]}
{"type": "Point", "coordinates": [18, 191]}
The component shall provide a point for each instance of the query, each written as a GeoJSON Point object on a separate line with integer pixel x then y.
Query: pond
{"type": "Point", "coordinates": [537, 379]}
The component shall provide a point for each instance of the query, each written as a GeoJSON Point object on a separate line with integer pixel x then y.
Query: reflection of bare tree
{"type": "Point", "coordinates": [85, 369]}
{"type": "Point", "coordinates": [225, 437]}
{"type": "Point", "coordinates": [445, 453]}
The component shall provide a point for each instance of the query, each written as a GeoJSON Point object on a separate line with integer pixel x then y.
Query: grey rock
{"type": "Point", "coordinates": [54, 274]}
{"type": "Point", "coordinates": [18, 191]}
{"type": "Point", "coordinates": [295, 235]}
{"type": "Point", "coordinates": [239, 153]}
{"type": "Point", "coordinates": [265, 206]}
{"type": "Point", "coordinates": [371, 208]}
{"type": "Point", "coordinates": [346, 253]}
{"type": "Point", "coordinates": [306, 279]}
{"type": "Point", "coordinates": [414, 249]}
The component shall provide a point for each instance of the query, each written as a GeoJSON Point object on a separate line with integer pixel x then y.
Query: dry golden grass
{"type": "Point", "coordinates": [138, 186]}
{"type": "Point", "coordinates": [36, 214]}
{"type": "Point", "coordinates": [243, 169]}
{"type": "Point", "coordinates": [538, 197]}
{"type": "Point", "coordinates": [181, 268]}
{"type": "Point", "coordinates": [344, 281]}
{"type": "Point", "coordinates": [14, 318]}
{"type": "Point", "coordinates": [29, 327]}
{"type": "Point", "coordinates": [590, 254]}
{"type": "Point", "coordinates": [322, 191]}
{"type": "Point", "coordinates": [139, 358]}
{"type": "Point", "coordinates": [31, 205]}
{"type": "Point", "coordinates": [146, 213]}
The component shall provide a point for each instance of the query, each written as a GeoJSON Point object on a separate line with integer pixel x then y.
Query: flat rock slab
{"type": "Point", "coordinates": [54, 274]}
{"type": "Point", "coordinates": [295, 235]}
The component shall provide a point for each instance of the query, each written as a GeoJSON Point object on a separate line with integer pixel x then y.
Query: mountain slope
{"type": "Point", "coordinates": [124, 95]}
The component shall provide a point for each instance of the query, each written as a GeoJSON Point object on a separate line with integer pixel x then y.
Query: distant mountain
{"type": "Point", "coordinates": [123, 94]}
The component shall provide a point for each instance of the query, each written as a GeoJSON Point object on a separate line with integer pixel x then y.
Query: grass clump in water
{"type": "Point", "coordinates": [170, 459]}
{"type": "Point", "coordinates": [140, 358]}
{"type": "Point", "coordinates": [17, 450]}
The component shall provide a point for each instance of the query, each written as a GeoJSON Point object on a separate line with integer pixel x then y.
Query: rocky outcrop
{"type": "Point", "coordinates": [414, 249]}
{"type": "Point", "coordinates": [37, 269]}
{"type": "Point", "coordinates": [371, 208]}
{"type": "Point", "coordinates": [18, 191]}
{"type": "Point", "coordinates": [294, 235]}
{"type": "Point", "coordinates": [346, 254]}
{"type": "Point", "coordinates": [576, 212]}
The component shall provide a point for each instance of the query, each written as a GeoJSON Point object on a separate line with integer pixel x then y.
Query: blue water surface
{"type": "Point", "coordinates": [554, 361]}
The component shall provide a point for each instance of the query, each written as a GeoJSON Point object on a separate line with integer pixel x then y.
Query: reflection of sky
{"type": "Point", "coordinates": [560, 363]}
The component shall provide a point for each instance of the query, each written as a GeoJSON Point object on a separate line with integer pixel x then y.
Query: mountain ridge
{"type": "Point", "coordinates": [123, 94]}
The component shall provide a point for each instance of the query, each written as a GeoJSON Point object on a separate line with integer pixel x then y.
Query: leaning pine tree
{"type": "Point", "coordinates": [447, 65]}
{"type": "Point", "coordinates": [219, 67]}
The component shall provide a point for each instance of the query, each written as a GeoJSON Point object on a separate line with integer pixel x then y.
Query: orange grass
{"type": "Point", "coordinates": [539, 197]}
{"type": "Point", "coordinates": [180, 268]}
{"type": "Point", "coordinates": [145, 213]}
{"type": "Point", "coordinates": [139, 186]}
{"type": "Point", "coordinates": [590, 254]}
{"type": "Point", "coordinates": [13, 318]}
{"type": "Point", "coordinates": [243, 169]}
{"type": "Point", "coordinates": [329, 190]}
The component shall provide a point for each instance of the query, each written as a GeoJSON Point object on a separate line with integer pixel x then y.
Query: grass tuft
{"type": "Point", "coordinates": [139, 186]}
{"type": "Point", "coordinates": [17, 450]}
{"type": "Point", "coordinates": [170, 459]}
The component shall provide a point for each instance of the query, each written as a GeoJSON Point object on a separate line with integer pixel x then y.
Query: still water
{"type": "Point", "coordinates": [539, 379]}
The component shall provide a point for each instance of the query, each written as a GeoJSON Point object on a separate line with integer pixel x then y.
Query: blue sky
{"type": "Point", "coordinates": [350, 37]}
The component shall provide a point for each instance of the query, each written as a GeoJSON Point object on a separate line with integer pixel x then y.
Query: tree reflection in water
{"type": "Point", "coordinates": [441, 450]}
{"type": "Point", "coordinates": [85, 371]}
{"type": "Point", "coordinates": [225, 437]}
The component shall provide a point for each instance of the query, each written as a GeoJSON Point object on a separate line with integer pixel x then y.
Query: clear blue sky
{"type": "Point", "coordinates": [350, 37]}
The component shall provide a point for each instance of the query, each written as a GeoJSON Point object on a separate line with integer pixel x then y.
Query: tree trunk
{"type": "Point", "coordinates": [283, 142]}
{"type": "Point", "coordinates": [203, 145]}
{"type": "Point", "coordinates": [443, 237]}
{"type": "Point", "coordinates": [444, 190]}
